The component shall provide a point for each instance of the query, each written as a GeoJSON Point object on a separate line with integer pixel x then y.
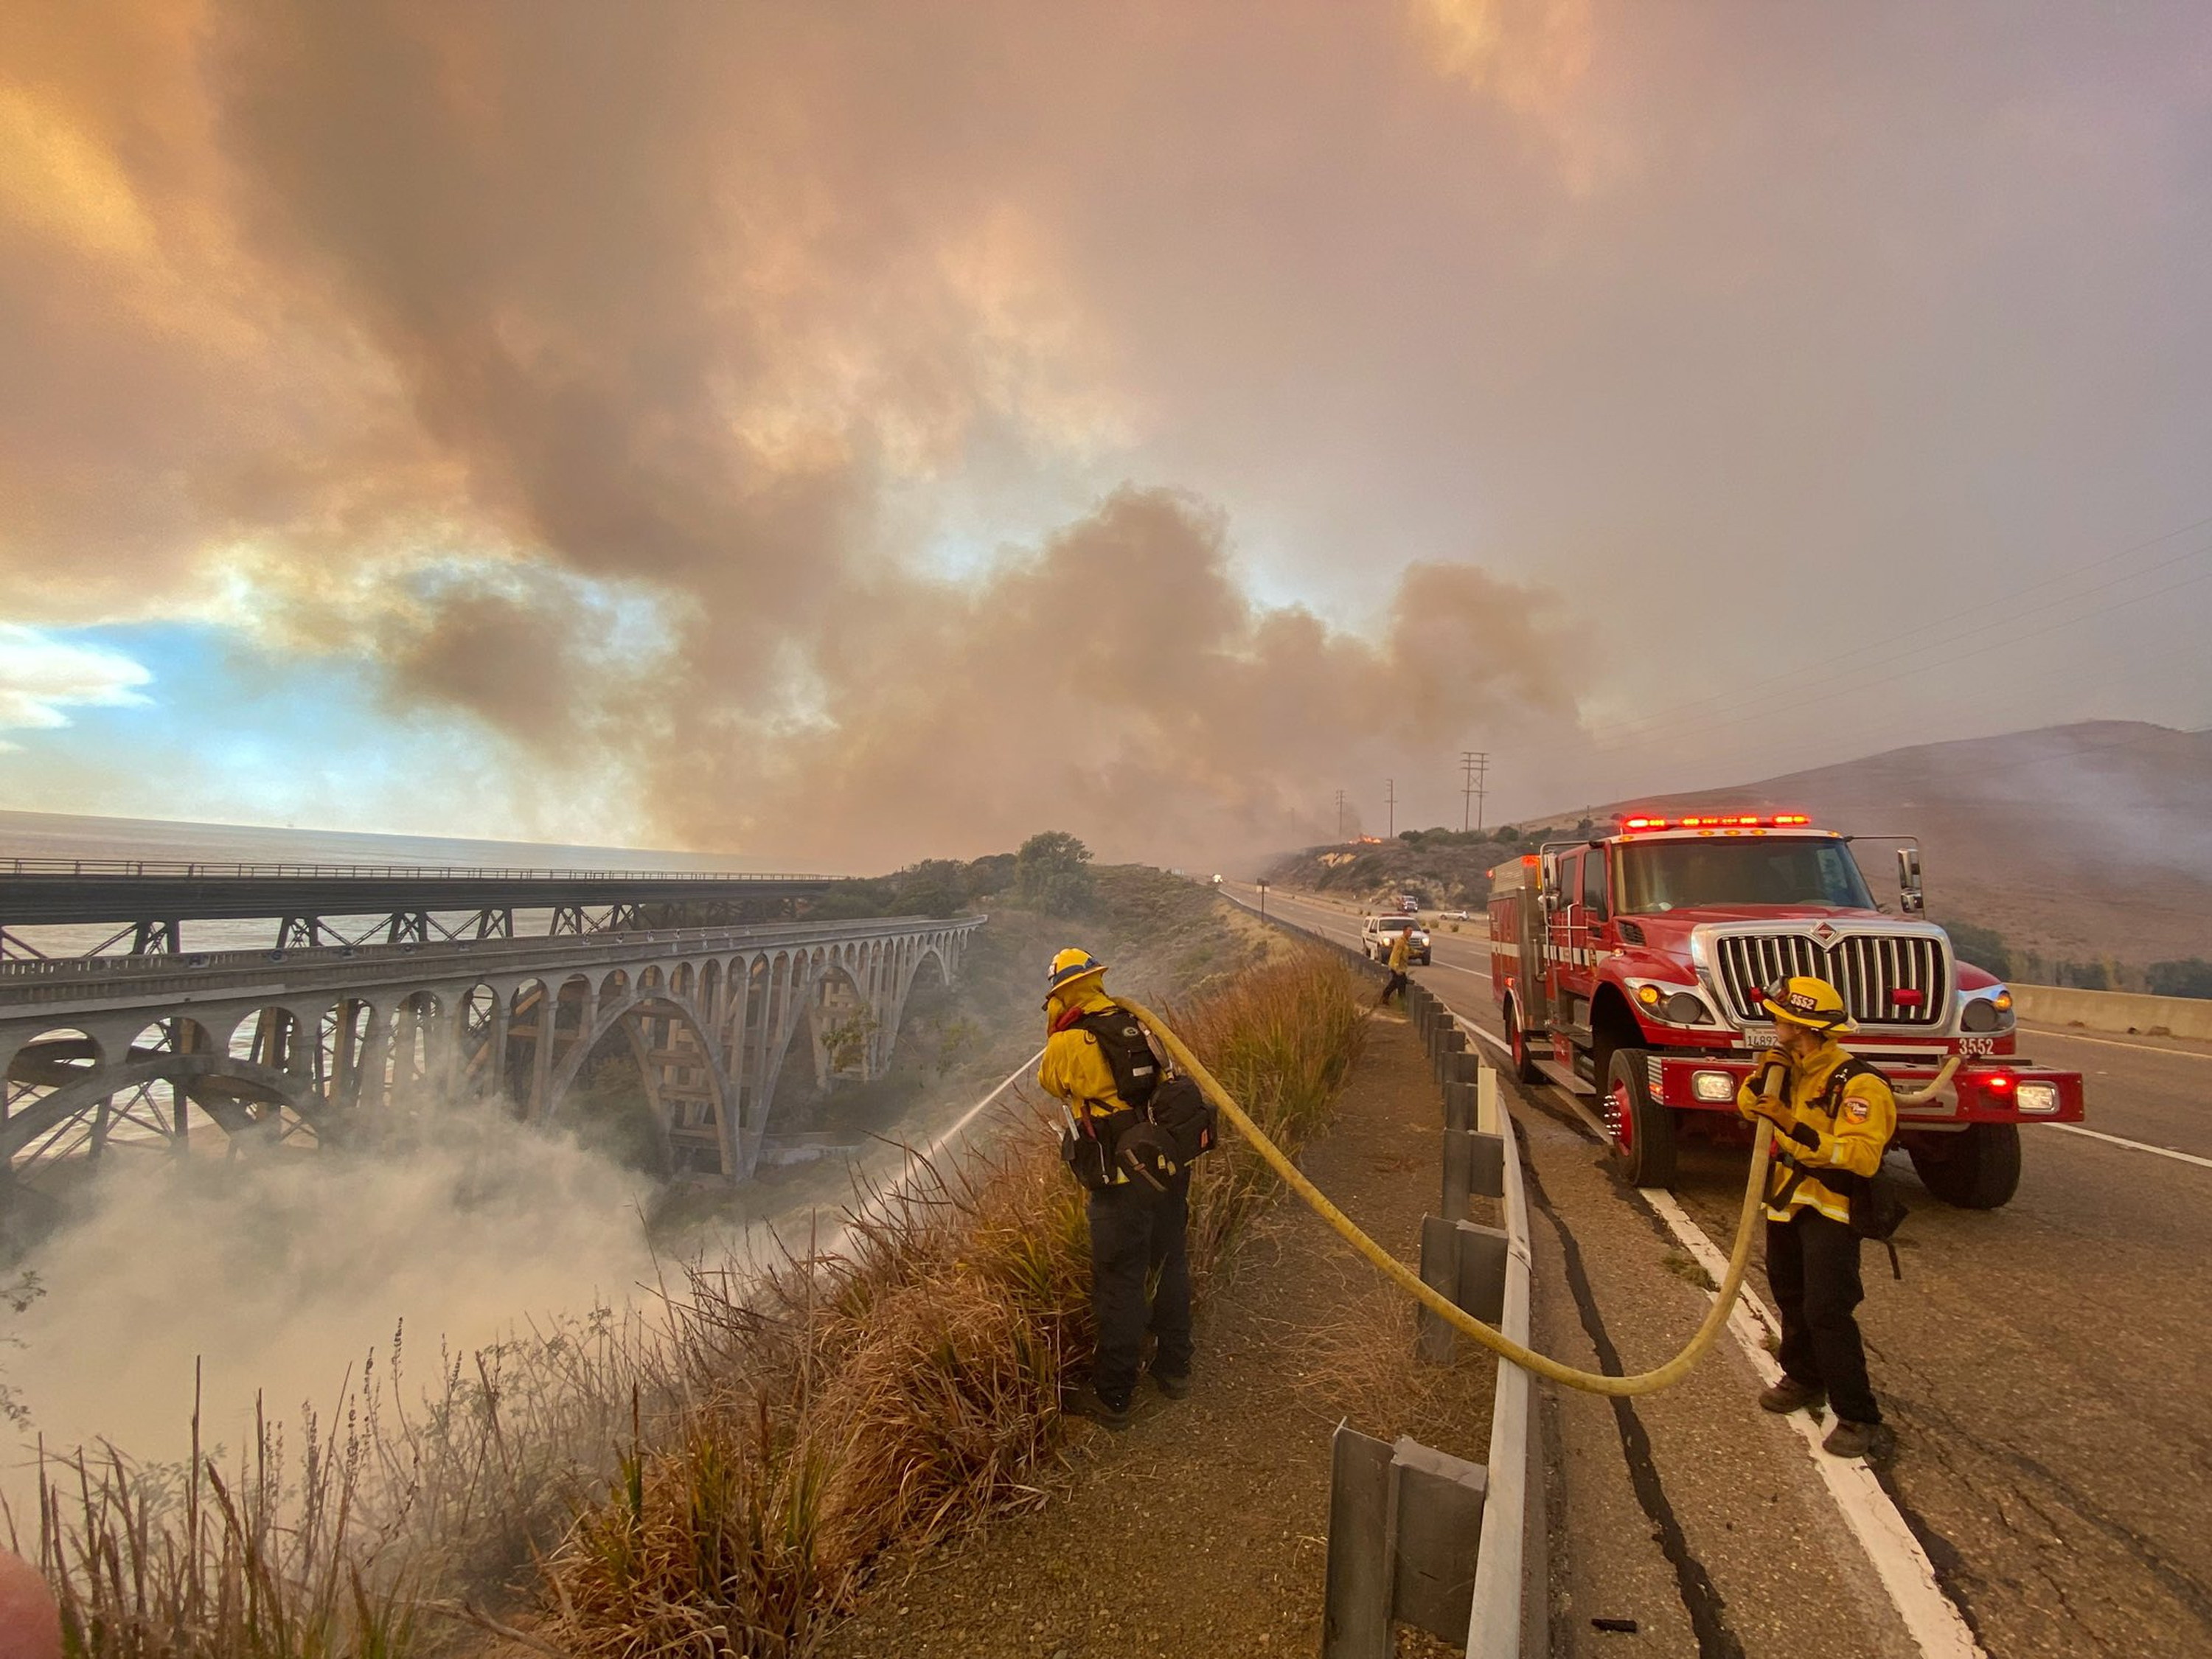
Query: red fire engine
{"type": "Point", "coordinates": [1625, 966]}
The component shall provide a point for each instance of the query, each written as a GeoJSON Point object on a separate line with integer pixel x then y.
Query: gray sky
{"type": "Point", "coordinates": [865, 432]}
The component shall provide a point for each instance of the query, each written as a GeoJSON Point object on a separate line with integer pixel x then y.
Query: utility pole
{"type": "Point", "coordinates": [1339, 815]}
{"type": "Point", "coordinates": [1474, 770]}
{"type": "Point", "coordinates": [1391, 800]}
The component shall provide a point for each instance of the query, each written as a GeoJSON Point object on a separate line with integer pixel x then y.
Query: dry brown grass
{"type": "Point", "coordinates": [721, 1480]}
{"type": "Point", "coordinates": [1364, 1365]}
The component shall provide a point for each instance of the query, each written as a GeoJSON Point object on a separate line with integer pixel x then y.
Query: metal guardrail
{"type": "Point", "coordinates": [1507, 1562]}
{"type": "Point", "coordinates": [193, 870]}
{"type": "Point", "coordinates": [1501, 1571]}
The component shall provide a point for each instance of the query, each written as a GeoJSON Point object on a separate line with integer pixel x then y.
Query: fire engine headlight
{"type": "Point", "coordinates": [1675, 1007]}
{"type": "Point", "coordinates": [2041, 1098]}
{"type": "Point", "coordinates": [1988, 1013]}
{"type": "Point", "coordinates": [1712, 1085]}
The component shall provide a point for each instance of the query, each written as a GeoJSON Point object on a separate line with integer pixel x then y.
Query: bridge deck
{"type": "Point", "coordinates": [119, 979]}
{"type": "Point", "coordinates": [42, 892]}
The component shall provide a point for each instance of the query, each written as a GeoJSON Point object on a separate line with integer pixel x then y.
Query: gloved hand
{"type": "Point", "coordinates": [1769, 1076]}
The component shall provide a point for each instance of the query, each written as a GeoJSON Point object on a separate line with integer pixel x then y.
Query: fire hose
{"type": "Point", "coordinates": [1458, 1318]}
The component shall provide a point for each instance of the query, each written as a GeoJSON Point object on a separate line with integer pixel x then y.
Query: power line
{"type": "Point", "coordinates": [1391, 800]}
{"type": "Point", "coordinates": [1339, 815]}
{"type": "Point", "coordinates": [1474, 769]}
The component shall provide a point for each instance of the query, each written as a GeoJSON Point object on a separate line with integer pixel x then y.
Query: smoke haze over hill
{"type": "Point", "coordinates": [2080, 840]}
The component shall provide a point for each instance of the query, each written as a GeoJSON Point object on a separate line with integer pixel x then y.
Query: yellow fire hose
{"type": "Point", "coordinates": [1458, 1318]}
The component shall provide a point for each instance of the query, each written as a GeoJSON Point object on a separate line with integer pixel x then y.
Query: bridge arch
{"type": "Point", "coordinates": [348, 1037]}
{"type": "Point", "coordinates": [686, 1082]}
{"type": "Point", "coordinates": [66, 1076]}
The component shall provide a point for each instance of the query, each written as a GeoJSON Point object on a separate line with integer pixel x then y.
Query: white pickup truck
{"type": "Point", "coordinates": [1378, 933]}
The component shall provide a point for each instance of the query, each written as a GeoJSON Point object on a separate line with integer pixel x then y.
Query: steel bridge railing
{"type": "Point", "coordinates": [195, 869]}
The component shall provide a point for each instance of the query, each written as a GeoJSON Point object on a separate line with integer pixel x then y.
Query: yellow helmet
{"type": "Point", "coordinates": [1804, 1000]}
{"type": "Point", "coordinates": [1070, 965]}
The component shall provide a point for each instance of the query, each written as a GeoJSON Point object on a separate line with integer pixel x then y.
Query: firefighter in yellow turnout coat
{"type": "Point", "coordinates": [1832, 1120]}
{"type": "Point", "coordinates": [1402, 957]}
{"type": "Point", "coordinates": [1138, 1230]}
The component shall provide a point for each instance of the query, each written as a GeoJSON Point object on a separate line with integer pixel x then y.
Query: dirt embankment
{"type": "Point", "coordinates": [1201, 1533]}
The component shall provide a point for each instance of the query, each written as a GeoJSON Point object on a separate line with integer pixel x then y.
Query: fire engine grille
{"type": "Point", "coordinates": [1867, 968]}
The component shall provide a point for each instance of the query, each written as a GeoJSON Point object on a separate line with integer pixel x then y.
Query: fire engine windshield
{"type": "Point", "coordinates": [1675, 875]}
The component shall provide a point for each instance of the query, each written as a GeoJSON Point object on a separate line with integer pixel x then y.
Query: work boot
{"type": "Point", "coordinates": [1789, 1394]}
{"type": "Point", "coordinates": [1087, 1402]}
{"type": "Point", "coordinates": [1849, 1439]}
{"type": "Point", "coordinates": [1173, 1384]}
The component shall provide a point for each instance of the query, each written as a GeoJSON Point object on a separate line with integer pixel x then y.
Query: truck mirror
{"type": "Point", "coordinates": [1908, 881]}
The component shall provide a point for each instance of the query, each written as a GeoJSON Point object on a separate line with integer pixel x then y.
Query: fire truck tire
{"type": "Point", "coordinates": [1516, 1044]}
{"type": "Point", "coordinates": [1642, 1130]}
{"type": "Point", "coordinates": [1976, 1169]}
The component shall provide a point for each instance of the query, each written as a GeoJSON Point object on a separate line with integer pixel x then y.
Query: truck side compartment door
{"type": "Point", "coordinates": [1565, 937]}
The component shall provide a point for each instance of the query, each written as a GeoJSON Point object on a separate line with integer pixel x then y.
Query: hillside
{"type": "Point", "coordinates": [1442, 878]}
{"type": "Point", "coordinates": [2075, 843]}
{"type": "Point", "coordinates": [2078, 842]}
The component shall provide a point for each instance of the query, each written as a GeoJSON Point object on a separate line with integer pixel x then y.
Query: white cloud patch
{"type": "Point", "coordinates": [41, 677]}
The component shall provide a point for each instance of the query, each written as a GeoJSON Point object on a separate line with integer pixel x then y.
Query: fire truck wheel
{"type": "Point", "coordinates": [1976, 1169]}
{"type": "Point", "coordinates": [1642, 1130]}
{"type": "Point", "coordinates": [1517, 1042]}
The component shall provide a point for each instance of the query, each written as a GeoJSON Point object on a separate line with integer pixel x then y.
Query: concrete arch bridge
{"type": "Point", "coordinates": [105, 1056]}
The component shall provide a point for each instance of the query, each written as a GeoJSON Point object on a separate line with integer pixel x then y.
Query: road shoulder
{"type": "Point", "coordinates": [1201, 1532]}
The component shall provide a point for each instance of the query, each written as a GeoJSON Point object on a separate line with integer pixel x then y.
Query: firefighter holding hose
{"type": "Point", "coordinates": [1834, 1115]}
{"type": "Point", "coordinates": [1099, 1064]}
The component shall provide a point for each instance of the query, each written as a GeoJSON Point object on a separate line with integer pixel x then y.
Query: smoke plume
{"type": "Point", "coordinates": [596, 386]}
{"type": "Point", "coordinates": [871, 431]}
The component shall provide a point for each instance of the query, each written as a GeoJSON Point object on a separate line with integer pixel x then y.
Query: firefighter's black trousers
{"type": "Point", "coordinates": [1136, 1232]}
{"type": "Point", "coordinates": [1813, 1268]}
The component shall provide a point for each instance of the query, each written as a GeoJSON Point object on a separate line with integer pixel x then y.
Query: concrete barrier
{"type": "Point", "coordinates": [2114, 1011]}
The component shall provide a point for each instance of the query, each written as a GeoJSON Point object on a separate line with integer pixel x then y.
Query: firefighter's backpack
{"type": "Point", "coordinates": [1877, 1210]}
{"type": "Point", "coordinates": [1181, 1116]}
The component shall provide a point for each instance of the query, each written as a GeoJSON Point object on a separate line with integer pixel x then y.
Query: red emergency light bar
{"type": "Point", "coordinates": [1730, 821]}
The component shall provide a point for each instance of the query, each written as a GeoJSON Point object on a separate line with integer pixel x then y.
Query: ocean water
{"type": "Point", "coordinates": [62, 835]}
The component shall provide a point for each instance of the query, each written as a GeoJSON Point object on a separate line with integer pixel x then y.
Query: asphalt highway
{"type": "Point", "coordinates": [2042, 1365]}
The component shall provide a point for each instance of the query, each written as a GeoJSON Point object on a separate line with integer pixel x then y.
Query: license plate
{"type": "Point", "coordinates": [1757, 1039]}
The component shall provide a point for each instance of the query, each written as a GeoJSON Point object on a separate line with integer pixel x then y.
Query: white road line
{"type": "Point", "coordinates": [1930, 1617]}
{"type": "Point", "coordinates": [1353, 937]}
{"type": "Point", "coordinates": [2135, 1146]}
{"type": "Point", "coordinates": [1454, 968]}
{"type": "Point", "coordinates": [2065, 1036]}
